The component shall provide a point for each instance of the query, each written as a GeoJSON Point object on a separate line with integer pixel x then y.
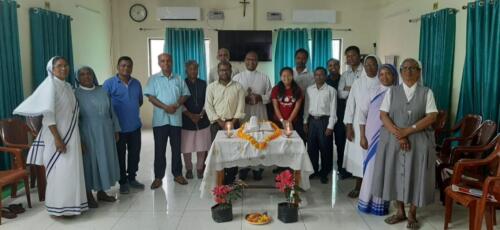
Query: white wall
{"type": "Point", "coordinates": [90, 32]}
{"type": "Point", "coordinates": [396, 36]}
{"type": "Point", "coordinates": [359, 15]}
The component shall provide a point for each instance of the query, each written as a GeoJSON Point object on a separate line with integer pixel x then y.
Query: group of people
{"type": "Point", "coordinates": [375, 121]}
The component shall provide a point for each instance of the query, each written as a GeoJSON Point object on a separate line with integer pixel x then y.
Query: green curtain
{"type": "Point", "coordinates": [11, 86]}
{"type": "Point", "coordinates": [321, 47]}
{"type": "Point", "coordinates": [481, 76]}
{"type": "Point", "coordinates": [288, 41]}
{"type": "Point", "coordinates": [437, 52]}
{"type": "Point", "coordinates": [186, 44]}
{"type": "Point", "coordinates": [50, 36]}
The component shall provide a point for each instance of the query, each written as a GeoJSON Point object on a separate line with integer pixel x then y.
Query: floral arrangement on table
{"type": "Point", "coordinates": [285, 182]}
{"type": "Point", "coordinates": [262, 144]}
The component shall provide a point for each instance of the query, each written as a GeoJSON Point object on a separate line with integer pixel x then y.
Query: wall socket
{"type": "Point", "coordinates": [435, 6]}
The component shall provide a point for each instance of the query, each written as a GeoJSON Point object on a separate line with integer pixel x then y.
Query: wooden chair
{"type": "Point", "coordinates": [488, 183]}
{"type": "Point", "coordinates": [479, 138]}
{"type": "Point", "coordinates": [15, 174]}
{"type": "Point", "coordinates": [15, 133]}
{"type": "Point", "coordinates": [439, 124]}
{"type": "Point", "coordinates": [466, 127]}
{"type": "Point", "coordinates": [35, 124]}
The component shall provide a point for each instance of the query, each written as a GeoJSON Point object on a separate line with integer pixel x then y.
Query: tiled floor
{"type": "Point", "coordinates": [180, 207]}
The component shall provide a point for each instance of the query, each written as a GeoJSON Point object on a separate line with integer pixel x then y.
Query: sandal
{"type": "Point", "coordinates": [394, 219]}
{"type": "Point", "coordinates": [102, 196]}
{"type": "Point", "coordinates": [16, 208]}
{"type": "Point", "coordinates": [200, 174]}
{"type": "Point", "coordinates": [412, 224]}
{"type": "Point", "coordinates": [6, 213]}
{"type": "Point", "coordinates": [353, 194]}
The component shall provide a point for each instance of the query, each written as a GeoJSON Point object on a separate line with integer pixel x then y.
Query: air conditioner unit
{"type": "Point", "coordinates": [314, 16]}
{"type": "Point", "coordinates": [216, 15]}
{"type": "Point", "coordinates": [178, 13]}
{"type": "Point", "coordinates": [274, 16]}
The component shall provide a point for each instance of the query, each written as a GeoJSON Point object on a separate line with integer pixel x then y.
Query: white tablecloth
{"type": "Point", "coordinates": [230, 152]}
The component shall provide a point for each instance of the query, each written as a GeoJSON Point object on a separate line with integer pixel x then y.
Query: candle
{"type": "Point", "coordinates": [229, 128]}
{"type": "Point", "coordinates": [288, 128]}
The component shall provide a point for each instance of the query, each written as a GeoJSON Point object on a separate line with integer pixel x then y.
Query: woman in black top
{"type": "Point", "coordinates": [195, 124]}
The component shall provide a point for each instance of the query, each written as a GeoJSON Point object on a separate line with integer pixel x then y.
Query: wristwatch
{"type": "Point", "coordinates": [414, 126]}
{"type": "Point", "coordinates": [281, 120]}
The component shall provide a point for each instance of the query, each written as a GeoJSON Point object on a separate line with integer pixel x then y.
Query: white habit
{"type": "Point", "coordinates": [259, 84]}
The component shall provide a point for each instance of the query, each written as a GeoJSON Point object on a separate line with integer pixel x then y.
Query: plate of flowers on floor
{"type": "Point", "coordinates": [258, 218]}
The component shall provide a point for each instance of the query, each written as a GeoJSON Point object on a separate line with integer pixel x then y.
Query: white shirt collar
{"type": "Point", "coordinates": [320, 88]}
{"type": "Point", "coordinates": [409, 91]}
{"type": "Point", "coordinates": [87, 88]}
{"type": "Point", "coordinates": [358, 69]}
{"type": "Point", "coordinates": [297, 72]}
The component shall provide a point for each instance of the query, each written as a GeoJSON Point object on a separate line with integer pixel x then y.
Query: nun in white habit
{"type": "Point", "coordinates": [359, 100]}
{"type": "Point", "coordinates": [57, 146]}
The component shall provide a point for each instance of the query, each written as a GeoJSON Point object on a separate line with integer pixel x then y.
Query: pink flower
{"type": "Point", "coordinates": [285, 180]}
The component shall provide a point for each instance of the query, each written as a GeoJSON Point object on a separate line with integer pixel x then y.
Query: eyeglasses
{"type": "Point", "coordinates": [61, 66]}
{"type": "Point", "coordinates": [409, 69]}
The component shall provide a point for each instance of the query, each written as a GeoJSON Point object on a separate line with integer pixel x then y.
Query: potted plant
{"type": "Point", "coordinates": [224, 195]}
{"type": "Point", "coordinates": [288, 212]}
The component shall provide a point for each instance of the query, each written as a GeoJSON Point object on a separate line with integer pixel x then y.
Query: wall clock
{"type": "Point", "coordinates": [138, 12]}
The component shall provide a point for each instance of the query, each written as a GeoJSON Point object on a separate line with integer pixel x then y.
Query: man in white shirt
{"type": "Point", "coordinates": [320, 116]}
{"type": "Point", "coordinates": [353, 72]}
{"type": "Point", "coordinates": [304, 79]}
{"type": "Point", "coordinates": [258, 88]}
{"type": "Point", "coordinates": [301, 75]}
{"type": "Point", "coordinates": [222, 56]}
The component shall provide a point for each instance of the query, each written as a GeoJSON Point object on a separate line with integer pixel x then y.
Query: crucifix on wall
{"type": "Point", "coordinates": [245, 3]}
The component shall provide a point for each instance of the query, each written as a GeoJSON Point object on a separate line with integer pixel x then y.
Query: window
{"type": "Point", "coordinates": [336, 49]}
{"type": "Point", "coordinates": [156, 48]}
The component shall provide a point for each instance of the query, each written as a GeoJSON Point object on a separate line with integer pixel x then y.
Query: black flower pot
{"type": "Point", "coordinates": [222, 213]}
{"type": "Point", "coordinates": [288, 212]}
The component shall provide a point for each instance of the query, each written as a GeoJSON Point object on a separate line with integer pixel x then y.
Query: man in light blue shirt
{"type": "Point", "coordinates": [167, 92]}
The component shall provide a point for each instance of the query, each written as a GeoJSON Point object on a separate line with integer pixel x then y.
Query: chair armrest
{"type": "Point", "coordinates": [18, 146]}
{"type": "Point", "coordinates": [471, 150]}
{"type": "Point", "coordinates": [461, 165]}
{"type": "Point", "coordinates": [488, 183]}
{"type": "Point", "coordinates": [17, 154]}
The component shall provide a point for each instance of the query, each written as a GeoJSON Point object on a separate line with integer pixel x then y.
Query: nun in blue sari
{"type": "Point", "coordinates": [99, 129]}
{"type": "Point", "coordinates": [370, 125]}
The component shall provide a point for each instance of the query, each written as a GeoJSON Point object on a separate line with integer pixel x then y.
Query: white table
{"type": "Point", "coordinates": [231, 152]}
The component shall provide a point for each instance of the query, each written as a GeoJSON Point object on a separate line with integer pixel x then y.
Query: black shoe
{"type": "Point", "coordinates": [344, 174]}
{"type": "Point", "coordinates": [257, 174]}
{"type": "Point", "coordinates": [244, 174]}
{"type": "Point", "coordinates": [312, 176]}
{"type": "Point", "coordinates": [324, 180]}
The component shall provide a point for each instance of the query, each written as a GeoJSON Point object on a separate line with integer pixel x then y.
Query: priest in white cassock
{"type": "Point", "coordinates": [57, 146]}
{"type": "Point", "coordinates": [357, 102]}
{"type": "Point", "coordinates": [258, 88]}
{"type": "Point", "coordinates": [222, 56]}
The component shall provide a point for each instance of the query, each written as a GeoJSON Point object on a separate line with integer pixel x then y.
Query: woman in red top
{"type": "Point", "coordinates": [287, 98]}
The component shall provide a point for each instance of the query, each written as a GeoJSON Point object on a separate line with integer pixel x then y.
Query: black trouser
{"type": "Point", "coordinates": [340, 135]}
{"type": "Point", "coordinates": [229, 173]}
{"type": "Point", "coordinates": [130, 141]}
{"type": "Point", "coordinates": [317, 142]}
{"type": "Point", "coordinates": [298, 125]}
{"type": "Point", "coordinates": [161, 136]}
